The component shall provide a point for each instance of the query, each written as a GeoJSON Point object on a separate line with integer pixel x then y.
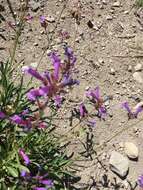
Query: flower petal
{"type": "Point", "coordinates": [126, 106]}
{"type": "Point", "coordinates": [140, 180]}
{"type": "Point", "coordinates": [56, 63]}
{"type": "Point", "coordinates": [2, 115]}
{"type": "Point", "coordinates": [58, 100]}
{"type": "Point", "coordinates": [47, 182]}
{"type": "Point", "coordinates": [24, 156]}
{"type": "Point", "coordinates": [16, 119]}
{"type": "Point", "coordinates": [33, 73]}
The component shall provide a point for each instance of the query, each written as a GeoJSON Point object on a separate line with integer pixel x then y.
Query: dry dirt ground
{"type": "Point", "coordinates": [108, 42]}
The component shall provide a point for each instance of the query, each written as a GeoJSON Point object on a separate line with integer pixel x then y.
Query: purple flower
{"type": "Point", "coordinates": [47, 182]}
{"type": "Point", "coordinates": [25, 112]}
{"type": "Point", "coordinates": [40, 188]}
{"type": "Point", "coordinates": [68, 81]}
{"type": "Point", "coordinates": [96, 98]}
{"type": "Point", "coordinates": [70, 55]}
{"type": "Point", "coordinates": [43, 21]}
{"type": "Point", "coordinates": [140, 181]}
{"type": "Point", "coordinates": [33, 94]}
{"type": "Point", "coordinates": [23, 173]}
{"type": "Point", "coordinates": [24, 156]}
{"type": "Point", "coordinates": [56, 63]}
{"type": "Point", "coordinates": [16, 119]}
{"type": "Point", "coordinates": [2, 115]}
{"type": "Point", "coordinates": [33, 72]}
{"type": "Point", "coordinates": [58, 101]}
{"type": "Point", "coordinates": [94, 94]}
{"type": "Point", "coordinates": [82, 110]}
{"type": "Point", "coordinates": [29, 18]}
{"type": "Point", "coordinates": [132, 114]}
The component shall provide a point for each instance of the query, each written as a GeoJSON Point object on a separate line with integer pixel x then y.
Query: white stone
{"type": "Point", "coordinates": [119, 164]}
{"type": "Point", "coordinates": [109, 17]}
{"type": "Point", "coordinates": [138, 67]}
{"type": "Point", "coordinates": [131, 150]}
{"type": "Point", "coordinates": [116, 4]}
{"type": "Point", "coordinates": [112, 71]}
{"type": "Point", "coordinates": [138, 77]}
{"type": "Point", "coordinates": [130, 68]}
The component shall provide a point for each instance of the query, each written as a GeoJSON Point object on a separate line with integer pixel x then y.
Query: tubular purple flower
{"type": "Point", "coordinates": [58, 100]}
{"type": "Point", "coordinates": [23, 173]}
{"type": "Point", "coordinates": [68, 81]}
{"type": "Point", "coordinates": [140, 181]}
{"type": "Point", "coordinates": [33, 94]}
{"type": "Point", "coordinates": [43, 22]}
{"type": "Point", "coordinates": [102, 111]}
{"type": "Point", "coordinates": [126, 106]}
{"type": "Point", "coordinates": [47, 182]}
{"type": "Point", "coordinates": [40, 188]}
{"type": "Point", "coordinates": [70, 55]}
{"type": "Point", "coordinates": [16, 119]}
{"type": "Point", "coordinates": [94, 94]}
{"type": "Point", "coordinates": [29, 18]}
{"type": "Point", "coordinates": [138, 110]}
{"type": "Point", "coordinates": [33, 72]}
{"type": "Point", "coordinates": [46, 74]}
{"type": "Point", "coordinates": [82, 110]}
{"type": "Point", "coordinates": [24, 156]}
{"type": "Point", "coordinates": [42, 19]}
{"type": "Point", "coordinates": [44, 90]}
{"type": "Point", "coordinates": [56, 63]}
{"type": "Point", "coordinates": [132, 114]}
{"type": "Point", "coordinates": [2, 115]}
{"type": "Point", "coordinates": [25, 112]}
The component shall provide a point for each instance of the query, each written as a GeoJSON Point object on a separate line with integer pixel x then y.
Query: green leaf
{"type": "Point", "coordinates": [12, 171]}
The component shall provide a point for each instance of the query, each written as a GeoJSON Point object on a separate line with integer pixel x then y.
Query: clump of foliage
{"type": "Point", "coordinates": [31, 156]}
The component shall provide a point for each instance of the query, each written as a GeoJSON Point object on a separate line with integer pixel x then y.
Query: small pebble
{"type": "Point", "coordinates": [138, 67]}
{"type": "Point", "coordinates": [112, 71]}
{"type": "Point", "coordinates": [131, 150]}
{"type": "Point", "coordinates": [109, 17]}
{"type": "Point", "coordinates": [116, 4]}
{"type": "Point", "coordinates": [130, 68]}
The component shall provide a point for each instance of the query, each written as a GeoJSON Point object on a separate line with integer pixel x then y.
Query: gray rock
{"type": "Point", "coordinates": [34, 5]}
{"type": "Point", "coordinates": [119, 164]}
{"type": "Point", "coordinates": [131, 150]}
{"type": "Point", "coordinates": [138, 77]}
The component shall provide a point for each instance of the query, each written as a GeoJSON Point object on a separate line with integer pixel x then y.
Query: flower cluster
{"type": "Point", "coordinates": [53, 84]}
{"type": "Point", "coordinates": [51, 88]}
{"type": "Point", "coordinates": [97, 102]}
{"type": "Point", "coordinates": [132, 114]}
